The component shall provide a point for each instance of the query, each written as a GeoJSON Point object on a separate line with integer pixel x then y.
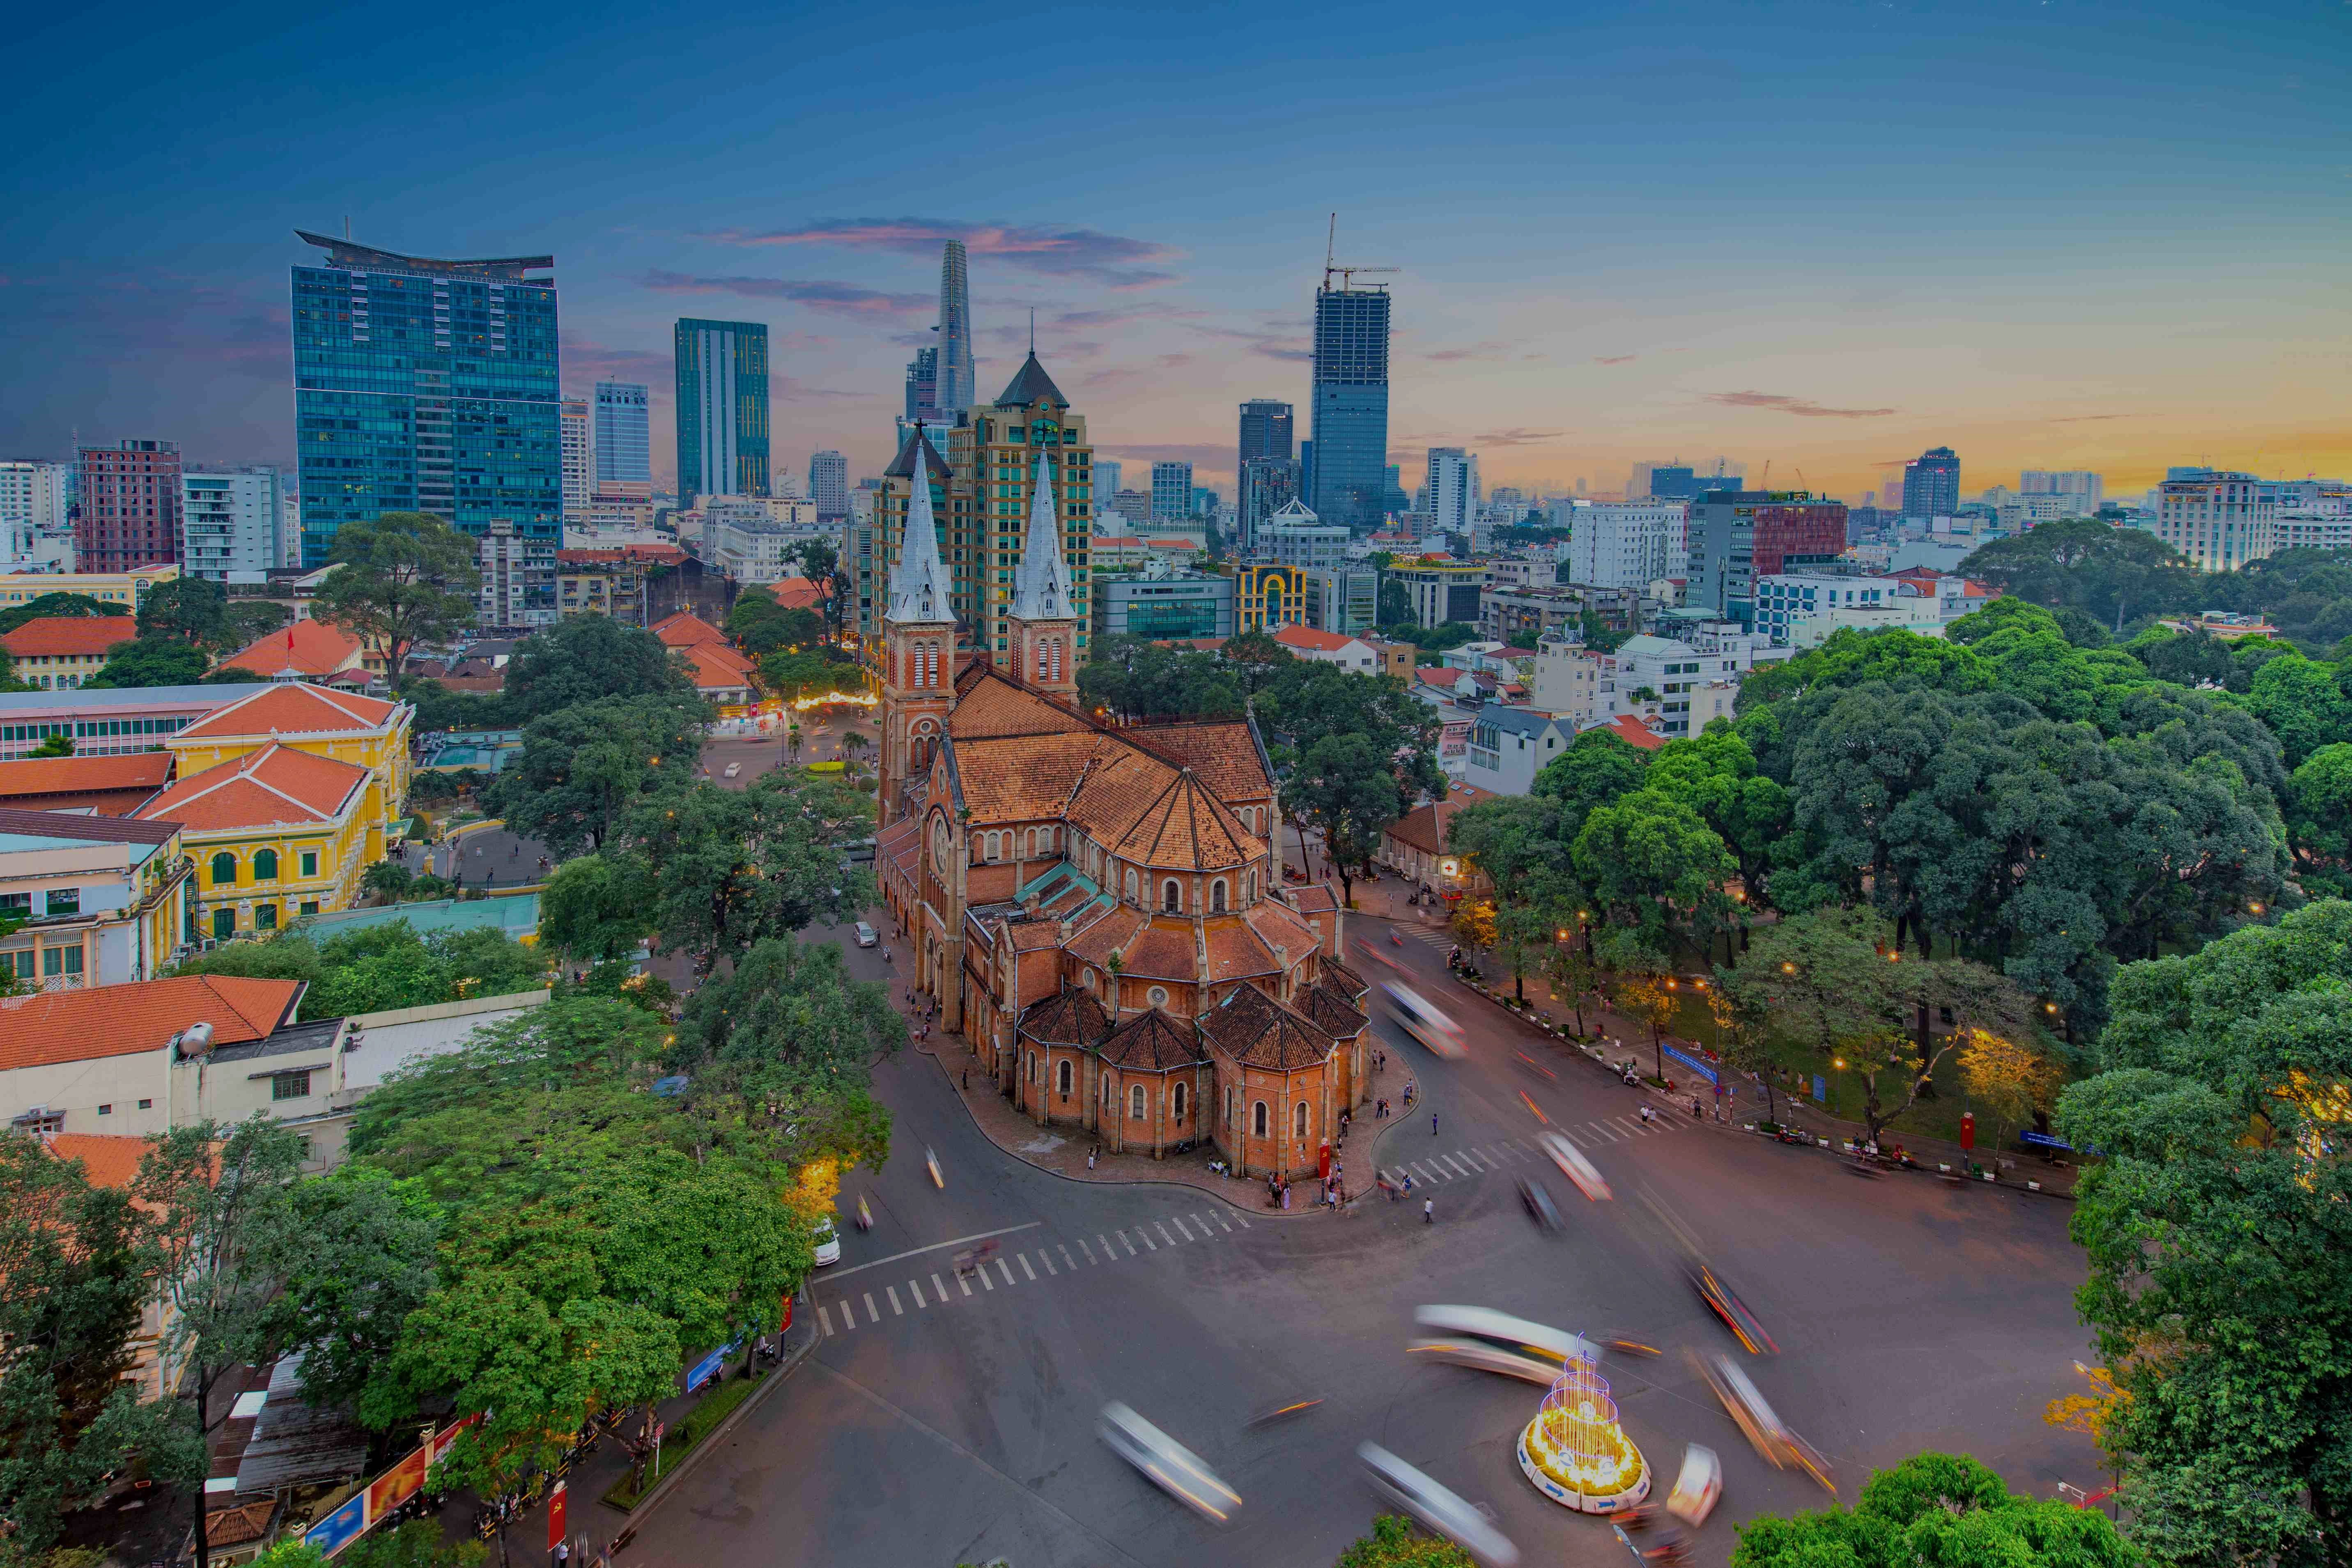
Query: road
{"type": "Point", "coordinates": [941, 1422]}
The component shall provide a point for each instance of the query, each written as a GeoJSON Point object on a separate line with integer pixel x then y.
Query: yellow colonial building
{"type": "Point", "coordinates": [285, 799]}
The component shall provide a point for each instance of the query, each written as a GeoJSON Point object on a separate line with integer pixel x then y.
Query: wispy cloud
{"type": "Point", "coordinates": [1117, 261]}
{"type": "Point", "coordinates": [1125, 375]}
{"type": "Point", "coordinates": [1615, 359]}
{"type": "Point", "coordinates": [1518, 437]}
{"type": "Point", "coordinates": [1488, 350]}
{"type": "Point", "coordinates": [817, 294]}
{"type": "Point", "coordinates": [784, 389]}
{"type": "Point", "coordinates": [586, 360]}
{"type": "Point", "coordinates": [2086, 418]}
{"type": "Point", "coordinates": [1804, 407]}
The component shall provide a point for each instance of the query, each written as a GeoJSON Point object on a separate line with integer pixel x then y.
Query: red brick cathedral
{"type": "Point", "coordinates": [1101, 910]}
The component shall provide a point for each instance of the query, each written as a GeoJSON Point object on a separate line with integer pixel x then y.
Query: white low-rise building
{"type": "Point", "coordinates": [1629, 545]}
{"type": "Point", "coordinates": [1352, 653]}
{"type": "Point", "coordinates": [1914, 615]}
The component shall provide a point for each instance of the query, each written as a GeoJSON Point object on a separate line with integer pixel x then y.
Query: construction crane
{"type": "Point", "coordinates": [1347, 274]}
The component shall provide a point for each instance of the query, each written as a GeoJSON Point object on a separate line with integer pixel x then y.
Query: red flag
{"type": "Point", "coordinates": [555, 1517]}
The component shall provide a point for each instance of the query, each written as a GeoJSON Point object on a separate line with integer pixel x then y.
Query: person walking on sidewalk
{"type": "Point", "coordinates": [1429, 1211]}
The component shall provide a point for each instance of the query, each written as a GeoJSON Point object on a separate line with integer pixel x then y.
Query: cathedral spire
{"type": "Point", "coordinates": [918, 582]}
{"type": "Point", "coordinates": [1042, 592]}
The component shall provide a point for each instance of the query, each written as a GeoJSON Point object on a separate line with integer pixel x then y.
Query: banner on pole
{"type": "Point", "coordinates": [555, 1516]}
{"type": "Point", "coordinates": [1692, 1062]}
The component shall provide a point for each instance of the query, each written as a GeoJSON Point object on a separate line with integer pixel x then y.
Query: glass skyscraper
{"type": "Point", "coordinates": [425, 386]}
{"type": "Point", "coordinates": [624, 435]}
{"type": "Point", "coordinates": [723, 409]}
{"type": "Point", "coordinates": [958, 373]}
{"type": "Point", "coordinates": [1352, 406]}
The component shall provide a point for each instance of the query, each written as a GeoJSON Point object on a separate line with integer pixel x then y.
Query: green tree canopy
{"type": "Point", "coordinates": [382, 967]}
{"type": "Point", "coordinates": [1942, 1510]}
{"type": "Point", "coordinates": [43, 606]}
{"type": "Point", "coordinates": [586, 657]}
{"type": "Point", "coordinates": [190, 610]}
{"type": "Point", "coordinates": [404, 577]}
{"type": "Point", "coordinates": [2094, 566]}
{"type": "Point", "coordinates": [726, 867]}
{"type": "Point", "coordinates": [1346, 786]}
{"type": "Point", "coordinates": [594, 908]}
{"type": "Point", "coordinates": [585, 766]}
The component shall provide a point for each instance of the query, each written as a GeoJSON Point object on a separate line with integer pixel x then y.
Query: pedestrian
{"type": "Point", "coordinates": [1433, 1124]}
{"type": "Point", "coordinates": [967, 1080]}
{"type": "Point", "coordinates": [1090, 1158]}
{"type": "Point", "coordinates": [1429, 1211]}
{"type": "Point", "coordinates": [562, 1554]}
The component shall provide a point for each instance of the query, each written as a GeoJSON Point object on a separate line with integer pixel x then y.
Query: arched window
{"type": "Point", "coordinates": [1176, 1103]}
{"type": "Point", "coordinates": [1172, 896]}
{"type": "Point", "coordinates": [1258, 1119]}
{"type": "Point", "coordinates": [1135, 1102]}
{"type": "Point", "coordinates": [1217, 897]}
{"type": "Point", "coordinates": [1058, 658]}
{"type": "Point", "coordinates": [265, 865]}
{"type": "Point", "coordinates": [1062, 1079]}
{"type": "Point", "coordinates": [224, 869]}
{"type": "Point", "coordinates": [1132, 894]}
{"type": "Point", "coordinates": [1302, 1119]}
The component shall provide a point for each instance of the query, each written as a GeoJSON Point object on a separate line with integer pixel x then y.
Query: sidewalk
{"type": "Point", "coordinates": [1061, 1151]}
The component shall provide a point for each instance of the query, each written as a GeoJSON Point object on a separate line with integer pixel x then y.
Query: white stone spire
{"type": "Point", "coordinates": [1042, 590]}
{"type": "Point", "coordinates": [918, 582]}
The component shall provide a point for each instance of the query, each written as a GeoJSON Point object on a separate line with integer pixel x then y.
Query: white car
{"type": "Point", "coordinates": [828, 1242]}
{"type": "Point", "coordinates": [1167, 1464]}
{"type": "Point", "coordinates": [1574, 1166]}
{"type": "Point", "coordinates": [1441, 1511]}
{"type": "Point", "coordinates": [866, 934]}
{"type": "Point", "coordinates": [733, 768]}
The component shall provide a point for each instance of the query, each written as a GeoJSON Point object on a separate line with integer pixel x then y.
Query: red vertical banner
{"type": "Point", "coordinates": [1968, 1129]}
{"type": "Point", "coordinates": [788, 1315]}
{"type": "Point", "coordinates": [555, 1517]}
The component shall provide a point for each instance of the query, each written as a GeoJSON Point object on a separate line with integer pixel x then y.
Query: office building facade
{"type": "Point", "coordinates": [1340, 598]}
{"type": "Point", "coordinates": [1675, 482]}
{"type": "Point", "coordinates": [2079, 490]}
{"type": "Point", "coordinates": [579, 449]}
{"type": "Point", "coordinates": [1178, 606]}
{"type": "Point", "coordinates": [1295, 536]}
{"type": "Point", "coordinates": [1267, 485]}
{"type": "Point", "coordinates": [2220, 520]}
{"type": "Point", "coordinates": [723, 409]}
{"type": "Point", "coordinates": [1931, 484]}
{"type": "Point", "coordinates": [231, 523]}
{"type": "Point", "coordinates": [1172, 491]}
{"type": "Point", "coordinates": [1740, 536]}
{"type": "Point", "coordinates": [1453, 497]}
{"type": "Point", "coordinates": [1266, 432]}
{"type": "Point", "coordinates": [129, 497]}
{"type": "Point", "coordinates": [829, 483]}
{"type": "Point", "coordinates": [625, 458]}
{"type": "Point", "coordinates": [1628, 544]}
{"type": "Point", "coordinates": [427, 385]}
{"type": "Point", "coordinates": [922, 400]}
{"type": "Point", "coordinates": [959, 372]}
{"type": "Point", "coordinates": [1349, 415]}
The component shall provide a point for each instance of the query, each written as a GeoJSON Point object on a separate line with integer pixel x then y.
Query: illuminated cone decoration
{"type": "Point", "coordinates": [1574, 1450]}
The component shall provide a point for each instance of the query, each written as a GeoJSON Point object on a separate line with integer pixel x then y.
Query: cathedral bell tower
{"type": "Point", "coordinates": [1044, 618]}
{"type": "Point", "coordinates": [918, 637]}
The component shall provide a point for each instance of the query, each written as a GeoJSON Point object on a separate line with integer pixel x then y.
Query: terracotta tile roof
{"type": "Point", "coordinates": [65, 635]}
{"type": "Point", "coordinates": [1278, 927]}
{"type": "Point", "coordinates": [1298, 636]}
{"type": "Point", "coordinates": [475, 684]}
{"type": "Point", "coordinates": [1423, 828]}
{"type": "Point", "coordinates": [1236, 952]}
{"type": "Point", "coordinates": [1186, 829]}
{"type": "Point", "coordinates": [659, 555]}
{"type": "Point", "coordinates": [1161, 949]}
{"type": "Point", "coordinates": [1225, 755]}
{"type": "Point", "coordinates": [1331, 1011]}
{"type": "Point", "coordinates": [275, 786]}
{"type": "Point", "coordinates": [294, 709]}
{"type": "Point", "coordinates": [1094, 941]}
{"type": "Point", "coordinates": [140, 1016]}
{"type": "Point", "coordinates": [1030, 936]}
{"type": "Point", "coordinates": [1024, 778]}
{"type": "Point", "coordinates": [685, 630]}
{"type": "Point", "coordinates": [1152, 1042]}
{"type": "Point", "coordinates": [1634, 732]}
{"type": "Point", "coordinates": [238, 1525]}
{"type": "Point", "coordinates": [1350, 984]}
{"type": "Point", "coordinates": [1315, 898]}
{"type": "Point", "coordinates": [28, 778]}
{"type": "Point", "coordinates": [310, 648]}
{"type": "Point", "coordinates": [1257, 1031]}
{"type": "Point", "coordinates": [717, 666]}
{"type": "Point", "coordinates": [93, 829]}
{"type": "Point", "coordinates": [993, 706]}
{"type": "Point", "coordinates": [1066, 1018]}
{"type": "Point", "coordinates": [107, 1161]}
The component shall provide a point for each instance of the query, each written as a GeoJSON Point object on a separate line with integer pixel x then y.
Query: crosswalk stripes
{"type": "Point", "coordinates": [1481, 1159]}
{"type": "Point", "coordinates": [838, 1314]}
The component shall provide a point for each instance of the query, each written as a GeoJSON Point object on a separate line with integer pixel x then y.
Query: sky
{"type": "Point", "coordinates": [1823, 235]}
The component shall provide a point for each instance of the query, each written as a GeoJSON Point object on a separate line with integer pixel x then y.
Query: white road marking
{"type": "Point", "coordinates": [943, 1289]}
{"type": "Point", "coordinates": [1008, 1272]}
{"type": "Point", "coordinates": [984, 1279]}
{"type": "Point", "coordinates": [873, 1312]}
{"type": "Point", "coordinates": [1025, 1269]}
{"type": "Point", "coordinates": [1221, 1220]}
{"type": "Point", "coordinates": [1163, 1232]}
{"type": "Point", "coordinates": [1427, 1173]}
{"type": "Point", "coordinates": [1185, 1228]}
{"type": "Point", "coordinates": [1090, 1251]}
{"type": "Point", "coordinates": [1123, 1241]}
{"type": "Point", "coordinates": [896, 1310]}
{"type": "Point", "coordinates": [1046, 1259]}
{"type": "Point", "coordinates": [1244, 1219]}
{"type": "Point", "coordinates": [963, 1282]}
{"type": "Point", "coordinates": [826, 1318]}
{"type": "Point", "coordinates": [838, 1273]}
{"type": "Point", "coordinates": [1468, 1162]}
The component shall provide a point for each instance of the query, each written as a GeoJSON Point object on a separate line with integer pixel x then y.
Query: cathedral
{"type": "Point", "coordinates": [1101, 909]}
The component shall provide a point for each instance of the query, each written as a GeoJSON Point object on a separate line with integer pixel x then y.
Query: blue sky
{"type": "Point", "coordinates": [1828, 235]}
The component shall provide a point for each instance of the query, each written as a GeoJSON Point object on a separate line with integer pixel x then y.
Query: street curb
{"type": "Point", "coordinates": [2019, 1188]}
{"type": "Point", "coordinates": [653, 1500]}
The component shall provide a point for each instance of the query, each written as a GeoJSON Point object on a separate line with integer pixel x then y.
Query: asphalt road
{"type": "Point", "coordinates": [947, 1426]}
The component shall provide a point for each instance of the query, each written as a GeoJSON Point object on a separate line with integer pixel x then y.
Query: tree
{"type": "Point", "coordinates": [730, 867]}
{"type": "Point", "coordinates": [404, 577]}
{"type": "Point", "coordinates": [2008, 1077]}
{"type": "Point", "coordinates": [593, 908]}
{"type": "Point", "coordinates": [41, 607]}
{"type": "Point", "coordinates": [1597, 768]}
{"type": "Point", "coordinates": [2217, 1224]}
{"type": "Point", "coordinates": [587, 658]}
{"type": "Point", "coordinates": [1474, 924]}
{"type": "Point", "coordinates": [388, 881]}
{"type": "Point", "coordinates": [356, 1252]}
{"type": "Point", "coordinates": [1523, 936]}
{"type": "Point", "coordinates": [2092, 565]}
{"type": "Point", "coordinates": [1942, 1508]}
{"type": "Point", "coordinates": [1570, 968]}
{"type": "Point", "coordinates": [419, 1543]}
{"type": "Point", "coordinates": [213, 1192]}
{"type": "Point", "coordinates": [1346, 786]}
{"type": "Point", "coordinates": [189, 610]}
{"type": "Point", "coordinates": [1393, 1545]}
{"type": "Point", "coordinates": [152, 661]}
{"type": "Point", "coordinates": [1714, 773]}
{"type": "Point", "coordinates": [245, 622]}
{"type": "Point", "coordinates": [1648, 998]}
{"type": "Point", "coordinates": [383, 967]}
{"type": "Point", "coordinates": [2319, 819]}
{"type": "Point", "coordinates": [55, 745]}
{"type": "Point", "coordinates": [584, 767]}
{"type": "Point", "coordinates": [1656, 867]}
{"type": "Point", "coordinates": [2305, 704]}
{"type": "Point", "coordinates": [791, 676]}
{"type": "Point", "coordinates": [75, 1270]}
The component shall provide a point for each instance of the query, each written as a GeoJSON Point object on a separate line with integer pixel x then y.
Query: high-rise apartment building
{"type": "Point", "coordinates": [1453, 490]}
{"type": "Point", "coordinates": [579, 449]}
{"type": "Point", "coordinates": [426, 385]}
{"type": "Point", "coordinates": [1106, 472]}
{"type": "Point", "coordinates": [829, 483]}
{"type": "Point", "coordinates": [129, 495]}
{"type": "Point", "coordinates": [1172, 491]}
{"type": "Point", "coordinates": [1738, 536]}
{"type": "Point", "coordinates": [959, 372]}
{"type": "Point", "coordinates": [923, 386]}
{"type": "Point", "coordinates": [1628, 544]}
{"type": "Point", "coordinates": [983, 495]}
{"type": "Point", "coordinates": [625, 465]}
{"type": "Point", "coordinates": [231, 523]}
{"type": "Point", "coordinates": [1931, 484]}
{"type": "Point", "coordinates": [1267, 485]}
{"type": "Point", "coordinates": [1266, 432]}
{"type": "Point", "coordinates": [723, 409]}
{"type": "Point", "coordinates": [36, 508]}
{"type": "Point", "coordinates": [1350, 411]}
{"type": "Point", "coordinates": [2220, 521]}
{"type": "Point", "coordinates": [2082, 490]}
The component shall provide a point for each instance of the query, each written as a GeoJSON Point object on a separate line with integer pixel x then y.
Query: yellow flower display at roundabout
{"type": "Point", "coordinates": [1574, 1450]}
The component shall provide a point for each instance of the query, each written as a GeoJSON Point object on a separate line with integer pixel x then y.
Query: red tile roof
{"type": "Point", "coordinates": [107, 1160]}
{"type": "Point", "coordinates": [274, 786]}
{"type": "Point", "coordinates": [51, 1026]}
{"type": "Point", "coordinates": [83, 775]}
{"type": "Point", "coordinates": [306, 647]}
{"type": "Point", "coordinates": [1152, 1042]}
{"type": "Point", "coordinates": [294, 709]}
{"type": "Point", "coordinates": [686, 629]}
{"type": "Point", "coordinates": [1634, 732]}
{"type": "Point", "coordinates": [1307, 637]}
{"type": "Point", "coordinates": [53, 635]}
{"type": "Point", "coordinates": [717, 666]}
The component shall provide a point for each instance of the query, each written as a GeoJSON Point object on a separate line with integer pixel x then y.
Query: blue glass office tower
{"type": "Point", "coordinates": [624, 435]}
{"type": "Point", "coordinates": [723, 409]}
{"type": "Point", "coordinates": [426, 385]}
{"type": "Point", "coordinates": [1351, 404]}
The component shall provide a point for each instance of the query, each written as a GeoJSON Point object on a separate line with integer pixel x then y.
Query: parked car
{"type": "Point", "coordinates": [867, 935]}
{"type": "Point", "coordinates": [828, 1242]}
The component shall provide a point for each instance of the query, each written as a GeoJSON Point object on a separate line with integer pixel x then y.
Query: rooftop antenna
{"type": "Point", "coordinates": [1033, 329]}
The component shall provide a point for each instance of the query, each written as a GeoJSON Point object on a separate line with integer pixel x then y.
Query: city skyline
{"type": "Point", "coordinates": [1729, 282]}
